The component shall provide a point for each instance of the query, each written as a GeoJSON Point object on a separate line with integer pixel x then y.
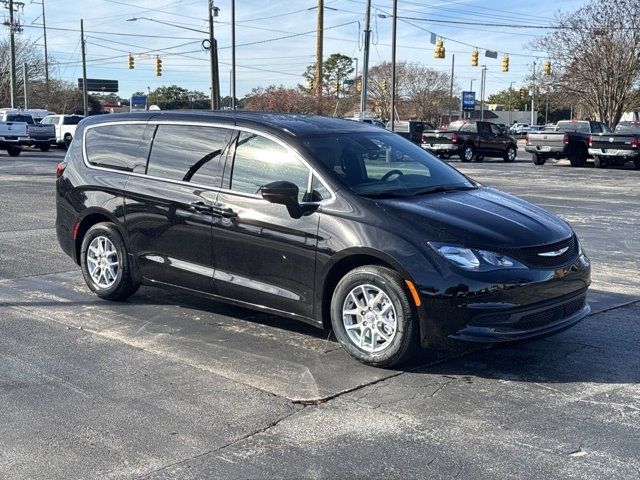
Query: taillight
{"type": "Point", "coordinates": [454, 138]}
{"type": "Point", "coordinates": [526, 138]}
{"type": "Point", "coordinates": [591, 140]}
{"type": "Point", "coordinates": [60, 169]}
{"type": "Point", "coordinates": [565, 139]}
{"type": "Point", "coordinates": [634, 143]}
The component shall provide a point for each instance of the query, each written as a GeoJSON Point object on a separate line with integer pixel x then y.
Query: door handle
{"type": "Point", "coordinates": [225, 212]}
{"type": "Point", "coordinates": [201, 207]}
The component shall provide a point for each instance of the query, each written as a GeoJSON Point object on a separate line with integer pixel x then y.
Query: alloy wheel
{"type": "Point", "coordinates": [102, 262]}
{"type": "Point", "coordinates": [369, 318]}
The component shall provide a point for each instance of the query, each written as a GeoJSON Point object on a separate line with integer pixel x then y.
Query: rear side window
{"type": "Point", "coordinates": [20, 118]}
{"type": "Point", "coordinates": [189, 153]}
{"type": "Point", "coordinates": [120, 147]}
{"type": "Point", "coordinates": [469, 127]}
{"type": "Point", "coordinates": [50, 121]}
{"type": "Point", "coordinates": [72, 120]}
{"type": "Point", "coordinates": [259, 161]}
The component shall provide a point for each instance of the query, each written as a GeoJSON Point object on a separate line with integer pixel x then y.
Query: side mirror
{"type": "Point", "coordinates": [283, 193]}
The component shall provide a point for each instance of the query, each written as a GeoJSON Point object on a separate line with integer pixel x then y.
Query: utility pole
{"type": "Point", "coordinates": [213, 60]}
{"type": "Point", "coordinates": [25, 80]}
{"type": "Point", "coordinates": [12, 57]}
{"type": "Point", "coordinates": [453, 64]}
{"type": "Point", "coordinates": [483, 81]}
{"type": "Point", "coordinates": [533, 95]}
{"type": "Point", "coordinates": [393, 64]}
{"type": "Point", "coordinates": [365, 63]}
{"type": "Point", "coordinates": [470, 113]}
{"type": "Point", "coordinates": [510, 92]}
{"type": "Point", "coordinates": [319, 35]}
{"type": "Point", "coordinates": [46, 54]}
{"type": "Point", "coordinates": [233, 54]}
{"type": "Point", "coordinates": [85, 99]}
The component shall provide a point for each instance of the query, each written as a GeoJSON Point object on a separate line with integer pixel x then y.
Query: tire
{"type": "Point", "coordinates": [479, 158]}
{"type": "Point", "coordinates": [599, 162]}
{"type": "Point", "coordinates": [578, 156]}
{"type": "Point", "coordinates": [445, 156]}
{"type": "Point", "coordinates": [67, 141]}
{"type": "Point", "coordinates": [14, 151]}
{"type": "Point", "coordinates": [539, 159]}
{"type": "Point", "coordinates": [510, 154]}
{"type": "Point", "coordinates": [402, 342]}
{"type": "Point", "coordinates": [637, 163]}
{"type": "Point", "coordinates": [467, 153]}
{"type": "Point", "coordinates": [44, 148]}
{"type": "Point", "coordinates": [120, 286]}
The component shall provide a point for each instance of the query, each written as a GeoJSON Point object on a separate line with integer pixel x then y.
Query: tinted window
{"type": "Point", "coordinates": [116, 146]}
{"type": "Point", "coordinates": [20, 118]}
{"type": "Point", "coordinates": [470, 127]}
{"type": "Point", "coordinates": [259, 161]}
{"type": "Point", "coordinates": [628, 127]}
{"type": "Point", "coordinates": [570, 126]}
{"type": "Point", "coordinates": [49, 120]}
{"type": "Point", "coordinates": [496, 130]}
{"type": "Point", "coordinates": [188, 153]}
{"type": "Point", "coordinates": [72, 120]}
{"type": "Point", "coordinates": [596, 128]}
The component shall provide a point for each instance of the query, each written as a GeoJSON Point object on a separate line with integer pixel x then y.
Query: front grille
{"type": "Point", "coordinates": [531, 258]}
{"type": "Point", "coordinates": [550, 315]}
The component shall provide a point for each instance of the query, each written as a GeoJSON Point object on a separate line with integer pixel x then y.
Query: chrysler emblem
{"type": "Point", "coordinates": [554, 253]}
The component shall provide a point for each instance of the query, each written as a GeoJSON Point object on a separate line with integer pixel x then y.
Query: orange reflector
{"type": "Point", "coordinates": [414, 292]}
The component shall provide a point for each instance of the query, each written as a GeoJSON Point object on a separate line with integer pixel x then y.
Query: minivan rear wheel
{"type": "Point", "coordinates": [105, 264]}
{"type": "Point", "coordinates": [373, 318]}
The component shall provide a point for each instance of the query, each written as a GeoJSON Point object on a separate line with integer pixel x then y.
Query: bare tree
{"type": "Point", "coordinates": [595, 56]}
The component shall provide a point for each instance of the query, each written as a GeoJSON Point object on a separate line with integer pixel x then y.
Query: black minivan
{"type": "Point", "coordinates": [336, 223]}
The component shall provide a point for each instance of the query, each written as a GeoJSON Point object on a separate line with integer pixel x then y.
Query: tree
{"type": "Point", "coordinates": [595, 57]}
{"type": "Point", "coordinates": [336, 68]}
{"type": "Point", "coordinates": [508, 97]}
{"type": "Point", "coordinates": [277, 98]}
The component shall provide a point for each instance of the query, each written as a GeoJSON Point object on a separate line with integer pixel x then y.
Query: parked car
{"type": "Point", "coordinates": [472, 140]}
{"type": "Point", "coordinates": [616, 148]}
{"type": "Point", "coordinates": [369, 121]}
{"type": "Point", "coordinates": [518, 128]}
{"type": "Point", "coordinates": [569, 140]}
{"type": "Point", "coordinates": [12, 136]}
{"type": "Point", "coordinates": [41, 136]}
{"type": "Point", "coordinates": [411, 129]}
{"type": "Point", "coordinates": [331, 222]}
{"type": "Point", "coordinates": [532, 128]}
{"type": "Point", "coordinates": [65, 126]}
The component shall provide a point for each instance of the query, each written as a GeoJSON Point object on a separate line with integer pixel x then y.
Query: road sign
{"type": "Point", "coordinates": [348, 82]}
{"type": "Point", "coordinates": [468, 101]}
{"type": "Point", "coordinates": [98, 85]}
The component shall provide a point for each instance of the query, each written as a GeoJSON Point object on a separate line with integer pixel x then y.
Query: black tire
{"type": "Point", "coordinates": [124, 285]}
{"type": "Point", "coordinates": [14, 151]}
{"type": "Point", "coordinates": [599, 162]}
{"type": "Point", "coordinates": [44, 148]}
{"type": "Point", "coordinates": [445, 156]}
{"type": "Point", "coordinates": [404, 343]}
{"type": "Point", "coordinates": [578, 156]}
{"type": "Point", "coordinates": [510, 154]}
{"type": "Point", "coordinates": [539, 159]}
{"type": "Point", "coordinates": [67, 141]}
{"type": "Point", "coordinates": [467, 153]}
{"type": "Point", "coordinates": [479, 158]}
{"type": "Point", "coordinates": [637, 163]}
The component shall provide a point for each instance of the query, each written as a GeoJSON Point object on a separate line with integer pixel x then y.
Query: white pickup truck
{"type": "Point", "coordinates": [65, 127]}
{"type": "Point", "coordinates": [12, 136]}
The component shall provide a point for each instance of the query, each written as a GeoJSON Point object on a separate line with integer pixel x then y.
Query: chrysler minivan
{"type": "Point", "coordinates": [332, 222]}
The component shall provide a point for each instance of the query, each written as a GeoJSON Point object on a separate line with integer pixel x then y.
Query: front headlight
{"type": "Point", "coordinates": [473, 258]}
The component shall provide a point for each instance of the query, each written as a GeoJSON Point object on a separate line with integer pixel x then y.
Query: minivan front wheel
{"type": "Point", "coordinates": [372, 316]}
{"type": "Point", "coordinates": [105, 263]}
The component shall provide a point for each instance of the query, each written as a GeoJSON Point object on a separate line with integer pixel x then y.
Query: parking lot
{"type": "Point", "coordinates": [171, 386]}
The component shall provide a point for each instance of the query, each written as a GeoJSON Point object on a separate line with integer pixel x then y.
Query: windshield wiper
{"type": "Point", "coordinates": [385, 195]}
{"type": "Point", "coordinates": [442, 188]}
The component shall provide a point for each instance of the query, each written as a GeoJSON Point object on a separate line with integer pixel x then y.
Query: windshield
{"type": "Point", "coordinates": [383, 165]}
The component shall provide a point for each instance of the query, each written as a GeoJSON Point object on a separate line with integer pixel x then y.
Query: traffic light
{"type": "Point", "coordinates": [310, 85]}
{"type": "Point", "coordinates": [547, 67]}
{"type": "Point", "coordinates": [505, 63]}
{"type": "Point", "coordinates": [523, 94]}
{"type": "Point", "coordinates": [158, 67]}
{"type": "Point", "coordinates": [439, 51]}
{"type": "Point", "coordinates": [131, 62]}
{"type": "Point", "coordinates": [359, 86]}
{"type": "Point", "coordinates": [474, 58]}
{"type": "Point", "coordinates": [336, 86]}
{"type": "Point", "coordinates": [384, 85]}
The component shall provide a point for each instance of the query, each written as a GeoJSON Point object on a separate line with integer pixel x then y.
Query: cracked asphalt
{"type": "Point", "coordinates": [170, 386]}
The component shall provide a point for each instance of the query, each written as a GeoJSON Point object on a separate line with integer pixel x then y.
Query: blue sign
{"type": "Point", "coordinates": [138, 102]}
{"type": "Point", "coordinates": [468, 101]}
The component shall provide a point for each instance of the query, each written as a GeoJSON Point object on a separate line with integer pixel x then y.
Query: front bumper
{"type": "Point", "coordinates": [503, 306]}
{"type": "Point", "coordinates": [607, 152]}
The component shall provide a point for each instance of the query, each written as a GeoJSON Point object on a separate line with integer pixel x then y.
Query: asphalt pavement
{"type": "Point", "coordinates": [171, 386]}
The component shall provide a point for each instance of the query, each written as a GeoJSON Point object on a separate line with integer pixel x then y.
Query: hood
{"type": "Point", "coordinates": [483, 217]}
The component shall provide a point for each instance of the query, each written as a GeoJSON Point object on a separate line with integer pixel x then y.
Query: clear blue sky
{"type": "Point", "coordinates": [280, 61]}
